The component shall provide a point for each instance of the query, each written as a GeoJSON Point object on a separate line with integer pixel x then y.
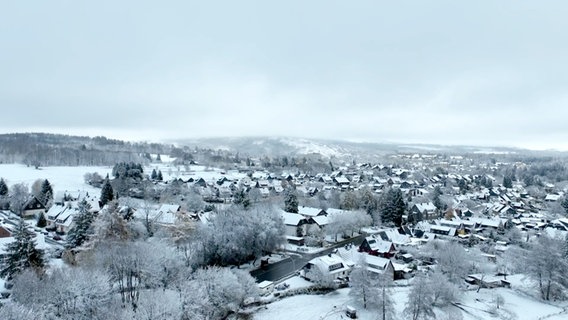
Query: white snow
{"type": "Point", "coordinates": [518, 304]}
{"type": "Point", "coordinates": [61, 178]}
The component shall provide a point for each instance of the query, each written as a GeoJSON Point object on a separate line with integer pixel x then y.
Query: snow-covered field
{"type": "Point", "coordinates": [61, 178]}
{"type": "Point", "coordinates": [518, 304]}
{"type": "Point", "coordinates": [72, 178]}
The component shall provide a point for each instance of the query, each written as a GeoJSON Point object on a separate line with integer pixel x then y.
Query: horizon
{"type": "Point", "coordinates": [324, 140]}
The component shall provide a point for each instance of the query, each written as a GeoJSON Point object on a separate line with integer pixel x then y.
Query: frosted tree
{"type": "Point", "coordinates": [19, 195]}
{"type": "Point", "coordinates": [372, 290]}
{"type": "Point", "coordinates": [384, 301]}
{"type": "Point", "coordinates": [110, 225]}
{"type": "Point", "coordinates": [443, 291]}
{"type": "Point", "coordinates": [73, 293]}
{"type": "Point", "coordinates": [368, 200]}
{"type": "Point", "coordinates": [16, 311]}
{"type": "Point", "coordinates": [156, 305]}
{"type": "Point", "coordinates": [452, 259]}
{"type": "Point", "coordinates": [544, 262]}
{"type": "Point", "coordinates": [348, 223]}
{"type": "Point", "coordinates": [21, 254]}
{"type": "Point", "coordinates": [214, 293]}
{"type": "Point", "coordinates": [363, 285]}
{"type": "Point", "coordinates": [420, 301]}
{"type": "Point", "coordinates": [235, 236]}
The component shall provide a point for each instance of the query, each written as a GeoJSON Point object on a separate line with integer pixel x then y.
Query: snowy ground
{"type": "Point", "coordinates": [518, 304]}
{"type": "Point", "coordinates": [61, 178]}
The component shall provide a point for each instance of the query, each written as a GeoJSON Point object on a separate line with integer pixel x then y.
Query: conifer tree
{"type": "Point", "coordinates": [41, 221]}
{"type": "Point", "coordinates": [46, 194]}
{"type": "Point", "coordinates": [21, 254]}
{"type": "Point", "coordinates": [83, 221]}
{"type": "Point", "coordinates": [392, 206]}
{"type": "Point", "coordinates": [160, 177]}
{"type": "Point", "coordinates": [107, 193]}
{"type": "Point", "coordinates": [291, 201]}
{"type": "Point", "coordinates": [241, 198]}
{"type": "Point", "coordinates": [154, 174]}
{"type": "Point", "coordinates": [3, 188]}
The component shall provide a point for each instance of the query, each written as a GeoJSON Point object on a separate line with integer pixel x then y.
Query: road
{"type": "Point", "coordinates": [288, 266]}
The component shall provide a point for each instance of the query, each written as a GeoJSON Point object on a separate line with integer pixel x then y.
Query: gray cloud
{"type": "Point", "coordinates": [483, 72]}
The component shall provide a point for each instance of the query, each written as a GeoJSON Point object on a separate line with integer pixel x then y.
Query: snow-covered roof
{"type": "Point", "coordinates": [321, 220]}
{"type": "Point", "coordinates": [291, 219]}
{"type": "Point", "coordinates": [428, 207]}
{"type": "Point", "coordinates": [331, 263]}
{"type": "Point", "coordinates": [311, 212]}
{"type": "Point", "coordinates": [379, 245]}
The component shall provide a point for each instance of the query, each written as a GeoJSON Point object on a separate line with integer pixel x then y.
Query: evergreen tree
{"type": "Point", "coordinates": [392, 207]}
{"type": "Point", "coordinates": [291, 201]}
{"type": "Point", "coordinates": [440, 206]}
{"type": "Point", "coordinates": [46, 194]}
{"type": "Point", "coordinates": [41, 221]}
{"type": "Point", "coordinates": [21, 254]}
{"type": "Point", "coordinates": [564, 204]}
{"type": "Point", "coordinates": [160, 177]}
{"type": "Point", "coordinates": [154, 174]}
{"type": "Point", "coordinates": [158, 158]}
{"type": "Point", "coordinates": [241, 198]}
{"type": "Point", "coordinates": [83, 221]}
{"type": "Point", "coordinates": [3, 188]}
{"type": "Point", "coordinates": [507, 182]}
{"type": "Point", "coordinates": [107, 193]}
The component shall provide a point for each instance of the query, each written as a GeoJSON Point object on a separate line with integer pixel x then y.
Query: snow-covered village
{"type": "Point", "coordinates": [283, 160]}
{"type": "Point", "coordinates": [205, 234]}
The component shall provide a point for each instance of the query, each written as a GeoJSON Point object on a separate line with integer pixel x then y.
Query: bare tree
{"type": "Point", "coordinates": [19, 195]}
{"type": "Point", "coordinates": [420, 301]}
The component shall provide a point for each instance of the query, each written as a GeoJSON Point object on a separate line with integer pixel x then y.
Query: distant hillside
{"type": "Point", "coordinates": [282, 146]}
{"type": "Point", "coordinates": [44, 149]}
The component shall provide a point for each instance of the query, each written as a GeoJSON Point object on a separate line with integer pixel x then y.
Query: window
{"type": "Point", "coordinates": [335, 266]}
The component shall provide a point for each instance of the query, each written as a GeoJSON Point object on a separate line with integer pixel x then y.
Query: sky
{"type": "Point", "coordinates": [484, 72]}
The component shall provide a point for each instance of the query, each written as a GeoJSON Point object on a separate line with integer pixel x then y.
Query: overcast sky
{"type": "Point", "coordinates": [478, 72]}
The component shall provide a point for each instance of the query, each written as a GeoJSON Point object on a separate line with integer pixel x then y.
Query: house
{"type": "Point", "coordinates": [341, 182]}
{"type": "Point", "coordinates": [53, 213]}
{"type": "Point", "coordinates": [320, 221]}
{"type": "Point", "coordinates": [32, 208]}
{"type": "Point", "coordinates": [200, 182]}
{"type": "Point", "coordinates": [378, 247]}
{"type": "Point", "coordinates": [376, 265]}
{"type": "Point", "coordinates": [326, 180]}
{"type": "Point", "coordinates": [266, 287]}
{"type": "Point", "coordinates": [166, 215]}
{"type": "Point", "coordinates": [331, 266]}
{"type": "Point", "coordinates": [487, 281]}
{"type": "Point", "coordinates": [64, 221]}
{"type": "Point", "coordinates": [380, 266]}
{"type": "Point", "coordinates": [443, 231]}
{"type": "Point", "coordinates": [425, 210]}
{"type": "Point", "coordinates": [311, 212]}
{"type": "Point", "coordinates": [294, 223]}
{"type": "Point", "coordinates": [4, 233]}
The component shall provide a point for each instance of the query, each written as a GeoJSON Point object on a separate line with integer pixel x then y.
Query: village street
{"type": "Point", "coordinates": [288, 266]}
